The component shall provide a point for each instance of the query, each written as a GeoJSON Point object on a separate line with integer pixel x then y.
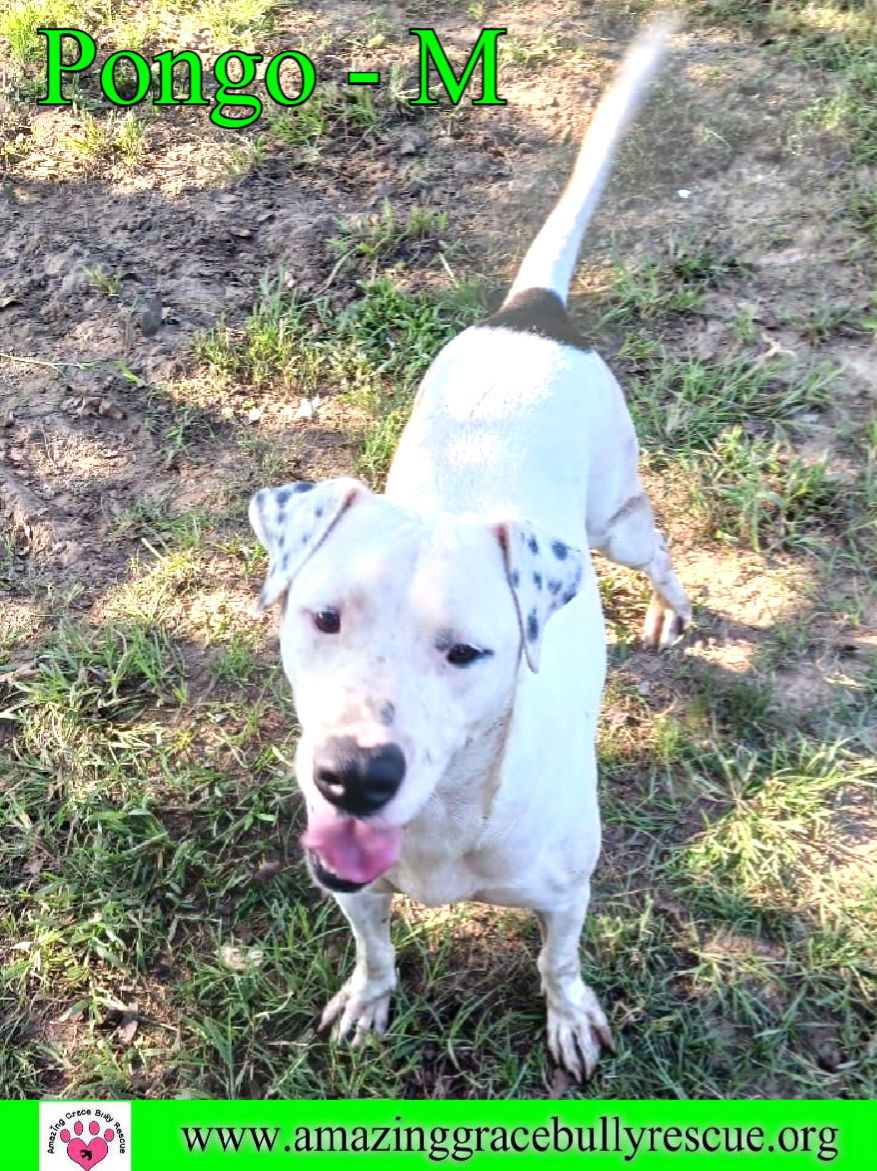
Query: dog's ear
{"type": "Point", "coordinates": [543, 574]}
{"type": "Point", "coordinates": [292, 521]}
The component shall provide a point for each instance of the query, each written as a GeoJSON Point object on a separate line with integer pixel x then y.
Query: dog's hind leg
{"type": "Point", "coordinates": [577, 1025]}
{"type": "Point", "coordinates": [363, 1002]}
{"type": "Point", "coordinates": [629, 537]}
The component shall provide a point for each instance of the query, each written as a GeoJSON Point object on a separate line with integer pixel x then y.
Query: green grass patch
{"type": "Point", "coordinates": [674, 283]}
{"type": "Point", "coordinates": [764, 494]}
{"type": "Point", "coordinates": [780, 804]}
{"type": "Point", "coordinates": [738, 916]}
{"type": "Point", "coordinates": [236, 23]}
{"type": "Point", "coordinates": [79, 711]}
{"type": "Point", "coordinates": [111, 137]}
{"type": "Point", "coordinates": [153, 522]}
{"type": "Point", "coordinates": [21, 18]}
{"type": "Point", "coordinates": [332, 121]}
{"type": "Point", "coordinates": [371, 242]}
{"type": "Point", "coordinates": [372, 351]}
{"type": "Point", "coordinates": [684, 404]}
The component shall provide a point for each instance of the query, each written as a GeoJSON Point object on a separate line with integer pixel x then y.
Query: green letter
{"type": "Point", "coordinates": [55, 62]}
{"type": "Point", "coordinates": [308, 78]}
{"type": "Point", "coordinates": [223, 97]}
{"type": "Point", "coordinates": [166, 62]}
{"type": "Point", "coordinates": [108, 78]}
{"type": "Point", "coordinates": [430, 49]}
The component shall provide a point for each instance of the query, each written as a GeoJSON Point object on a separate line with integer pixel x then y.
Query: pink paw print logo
{"type": "Point", "coordinates": [87, 1154]}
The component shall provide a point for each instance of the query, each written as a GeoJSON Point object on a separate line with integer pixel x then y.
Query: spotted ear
{"type": "Point", "coordinates": [543, 575]}
{"type": "Point", "coordinates": [292, 521]}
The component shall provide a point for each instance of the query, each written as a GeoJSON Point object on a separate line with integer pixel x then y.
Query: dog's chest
{"type": "Point", "coordinates": [465, 878]}
{"type": "Point", "coordinates": [457, 853]}
{"type": "Point", "coordinates": [440, 861]}
{"type": "Point", "coordinates": [496, 876]}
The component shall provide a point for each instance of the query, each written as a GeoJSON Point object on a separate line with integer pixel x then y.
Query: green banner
{"type": "Point", "coordinates": [200, 1136]}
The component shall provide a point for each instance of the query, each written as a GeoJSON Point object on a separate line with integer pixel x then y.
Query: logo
{"type": "Point", "coordinates": [85, 1135]}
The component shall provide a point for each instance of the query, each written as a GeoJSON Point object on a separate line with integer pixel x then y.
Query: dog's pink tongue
{"type": "Point", "coordinates": [359, 851]}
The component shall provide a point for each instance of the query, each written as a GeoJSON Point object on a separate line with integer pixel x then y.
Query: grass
{"type": "Point", "coordinates": [676, 283]}
{"type": "Point", "coordinates": [88, 677]}
{"type": "Point", "coordinates": [239, 23]}
{"type": "Point", "coordinates": [158, 934]}
{"type": "Point", "coordinates": [544, 49]}
{"type": "Point", "coordinates": [728, 427]}
{"type": "Point", "coordinates": [372, 352]}
{"type": "Point", "coordinates": [761, 925]}
{"type": "Point", "coordinates": [330, 114]}
{"type": "Point", "coordinates": [108, 283]}
{"type": "Point", "coordinates": [155, 522]}
{"type": "Point", "coordinates": [685, 403]}
{"type": "Point", "coordinates": [760, 493]}
{"type": "Point", "coordinates": [838, 37]}
{"type": "Point", "coordinates": [21, 19]}
{"type": "Point", "coordinates": [116, 136]}
{"type": "Point", "coordinates": [862, 208]}
{"type": "Point", "coordinates": [332, 121]}
{"type": "Point", "coordinates": [174, 843]}
{"type": "Point", "coordinates": [370, 242]}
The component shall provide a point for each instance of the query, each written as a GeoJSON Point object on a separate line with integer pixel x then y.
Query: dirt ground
{"type": "Point", "coordinates": [118, 258]}
{"type": "Point", "coordinates": [85, 385]}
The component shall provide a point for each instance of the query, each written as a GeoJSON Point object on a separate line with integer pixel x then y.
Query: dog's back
{"type": "Point", "coordinates": [505, 418]}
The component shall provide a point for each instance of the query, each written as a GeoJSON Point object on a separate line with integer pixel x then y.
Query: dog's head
{"type": "Point", "coordinates": [402, 635]}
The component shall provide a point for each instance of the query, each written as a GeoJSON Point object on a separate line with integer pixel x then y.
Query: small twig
{"type": "Point", "coordinates": [52, 365]}
{"type": "Point", "coordinates": [342, 260]}
{"type": "Point", "coordinates": [451, 274]}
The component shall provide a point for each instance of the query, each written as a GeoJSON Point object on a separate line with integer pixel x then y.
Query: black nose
{"type": "Point", "coordinates": [355, 779]}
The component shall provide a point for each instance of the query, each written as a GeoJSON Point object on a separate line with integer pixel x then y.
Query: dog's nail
{"type": "Point", "coordinates": [605, 1037]}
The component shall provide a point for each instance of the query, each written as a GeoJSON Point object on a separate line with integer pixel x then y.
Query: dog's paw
{"type": "Point", "coordinates": [359, 1008]}
{"type": "Point", "coordinates": [577, 1033]}
{"type": "Point", "coordinates": [663, 627]}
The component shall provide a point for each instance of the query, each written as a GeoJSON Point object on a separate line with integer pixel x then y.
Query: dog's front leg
{"type": "Point", "coordinates": [363, 1003]}
{"type": "Point", "coordinates": [577, 1025]}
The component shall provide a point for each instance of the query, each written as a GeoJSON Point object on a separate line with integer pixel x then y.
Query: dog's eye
{"type": "Point", "coordinates": [461, 655]}
{"type": "Point", "coordinates": [327, 621]}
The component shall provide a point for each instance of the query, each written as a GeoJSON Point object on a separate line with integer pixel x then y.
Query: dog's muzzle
{"type": "Point", "coordinates": [357, 780]}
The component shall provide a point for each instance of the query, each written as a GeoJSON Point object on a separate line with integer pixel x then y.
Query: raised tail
{"type": "Point", "coordinates": [551, 258]}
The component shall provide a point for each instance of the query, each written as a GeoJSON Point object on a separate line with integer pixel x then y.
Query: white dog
{"type": "Point", "coordinates": [447, 746]}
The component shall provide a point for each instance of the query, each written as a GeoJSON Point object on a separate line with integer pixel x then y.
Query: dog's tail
{"type": "Point", "coordinates": [551, 258]}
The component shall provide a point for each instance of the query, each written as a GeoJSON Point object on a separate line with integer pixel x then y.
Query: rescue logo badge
{"type": "Point", "coordinates": [85, 1135]}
